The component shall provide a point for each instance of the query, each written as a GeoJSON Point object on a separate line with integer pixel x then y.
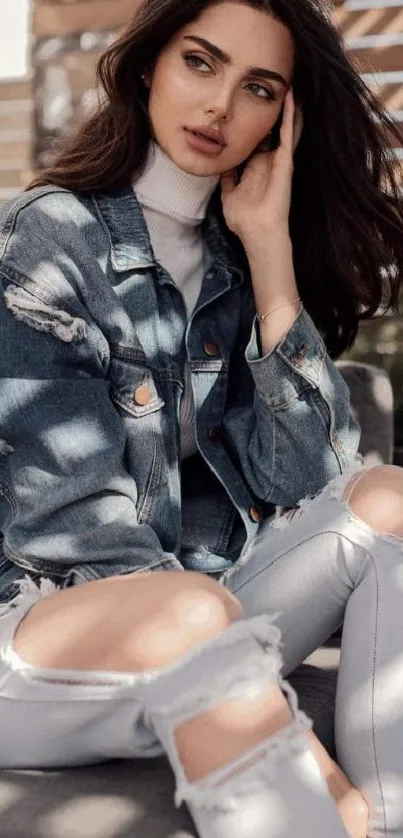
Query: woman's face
{"type": "Point", "coordinates": [228, 71]}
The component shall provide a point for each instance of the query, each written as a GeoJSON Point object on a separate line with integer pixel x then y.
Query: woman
{"type": "Point", "coordinates": [167, 400]}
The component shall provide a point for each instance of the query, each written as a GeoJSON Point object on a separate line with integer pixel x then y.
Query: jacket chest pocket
{"type": "Point", "coordinates": [135, 393]}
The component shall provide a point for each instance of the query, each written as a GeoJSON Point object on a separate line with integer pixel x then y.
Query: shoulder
{"type": "Point", "coordinates": [45, 210]}
{"type": "Point", "coordinates": [46, 232]}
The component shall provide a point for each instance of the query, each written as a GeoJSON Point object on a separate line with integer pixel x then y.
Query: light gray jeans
{"type": "Point", "coordinates": [304, 574]}
{"type": "Point", "coordinates": [315, 568]}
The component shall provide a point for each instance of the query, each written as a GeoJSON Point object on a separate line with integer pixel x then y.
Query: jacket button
{"type": "Point", "coordinates": [211, 349]}
{"type": "Point", "coordinates": [255, 514]}
{"type": "Point", "coordinates": [214, 432]}
{"type": "Point", "coordinates": [142, 394]}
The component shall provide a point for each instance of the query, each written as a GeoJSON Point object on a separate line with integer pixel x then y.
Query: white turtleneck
{"type": "Point", "coordinates": [174, 204]}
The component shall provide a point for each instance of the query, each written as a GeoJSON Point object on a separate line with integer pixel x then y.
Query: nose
{"type": "Point", "coordinates": [217, 112]}
{"type": "Point", "coordinates": [220, 105]}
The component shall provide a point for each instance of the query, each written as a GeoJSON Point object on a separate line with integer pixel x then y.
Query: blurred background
{"type": "Point", "coordinates": [48, 52]}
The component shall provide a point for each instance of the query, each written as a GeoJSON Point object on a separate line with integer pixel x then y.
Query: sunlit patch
{"type": "Point", "coordinates": [10, 794]}
{"type": "Point", "coordinates": [72, 437]}
{"type": "Point", "coordinates": [306, 767]}
{"type": "Point", "coordinates": [51, 207]}
{"type": "Point", "coordinates": [95, 816]}
{"type": "Point", "coordinates": [392, 794]}
{"type": "Point", "coordinates": [397, 576]}
{"type": "Point", "coordinates": [265, 807]}
{"type": "Point", "coordinates": [389, 686]}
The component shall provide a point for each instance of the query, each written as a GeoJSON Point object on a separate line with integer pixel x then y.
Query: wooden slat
{"type": "Point", "coordinates": [16, 116]}
{"type": "Point", "coordinates": [389, 95]}
{"type": "Point", "coordinates": [394, 142]}
{"type": "Point", "coordinates": [15, 135]}
{"type": "Point", "coordinates": [91, 16]}
{"type": "Point", "coordinates": [12, 179]}
{"type": "Point", "coordinates": [377, 60]}
{"type": "Point", "coordinates": [17, 151]}
{"type": "Point", "coordinates": [14, 90]}
{"type": "Point", "coordinates": [384, 40]}
{"type": "Point", "coordinates": [364, 5]}
{"type": "Point", "coordinates": [361, 23]}
{"type": "Point", "coordinates": [62, 2]}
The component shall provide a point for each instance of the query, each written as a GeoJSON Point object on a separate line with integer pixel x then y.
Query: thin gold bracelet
{"type": "Point", "coordinates": [262, 317]}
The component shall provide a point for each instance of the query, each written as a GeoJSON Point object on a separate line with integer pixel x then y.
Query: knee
{"type": "Point", "coordinates": [203, 605]}
{"type": "Point", "coordinates": [195, 610]}
{"type": "Point", "coordinates": [377, 499]}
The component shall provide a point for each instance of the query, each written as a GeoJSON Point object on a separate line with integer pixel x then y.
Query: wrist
{"type": "Point", "coordinates": [259, 243]}
{"type": "Point", "coordinates": [288, 307]}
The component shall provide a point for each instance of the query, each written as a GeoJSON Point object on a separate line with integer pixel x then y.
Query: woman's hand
{"type": "Point", "coordinates": [257, 210]}
{"type": "Point", "coordinates": [260, 203]}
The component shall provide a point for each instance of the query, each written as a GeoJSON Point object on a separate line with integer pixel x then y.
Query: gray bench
{"type": "Point", "coordinates": [134, 799]}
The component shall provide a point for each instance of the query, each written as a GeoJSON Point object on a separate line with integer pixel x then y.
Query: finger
{"type": "Point", "coordinates": [257, 171]}
{"type": "Point", "coordinates": [287, 124]}
{"type": "Point", "coordinates": [228, 181]}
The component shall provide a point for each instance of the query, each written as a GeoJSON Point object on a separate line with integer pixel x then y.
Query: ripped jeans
{"type": "Point", "coordinates": [320, 566]}
{"type": "Point", "coordinates": [310, 569]}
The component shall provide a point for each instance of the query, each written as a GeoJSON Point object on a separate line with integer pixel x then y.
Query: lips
{"type": "Point", "coordinates": [208, 134]}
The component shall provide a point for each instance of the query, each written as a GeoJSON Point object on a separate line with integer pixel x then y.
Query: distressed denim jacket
{"type": "Point", "coordinates": [94, 339]}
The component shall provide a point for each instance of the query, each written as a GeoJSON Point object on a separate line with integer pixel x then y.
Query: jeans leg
{"type": "Point", "coordinates": [316, 569]}
{"type": "Point", "coordinates": [275, 789]}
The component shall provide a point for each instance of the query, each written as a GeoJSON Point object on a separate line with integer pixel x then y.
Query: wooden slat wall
{"type": "Point", "coordinates": [15, 135]}
{"type": "Point", "coordinates": [373, 31]}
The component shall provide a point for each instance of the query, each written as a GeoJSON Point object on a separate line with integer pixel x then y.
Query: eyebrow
{"type": "Point", "coordinates": [222, 56]}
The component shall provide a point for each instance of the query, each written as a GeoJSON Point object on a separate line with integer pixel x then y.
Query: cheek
{"type": "Point", "coordinates": [172, 90]}
{"type": "Point", "coordinates": [252, 132]}
{"type": "Point", "coordinates": [258, 126]}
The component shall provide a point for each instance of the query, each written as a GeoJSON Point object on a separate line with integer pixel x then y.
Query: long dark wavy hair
{"type": "Point", "coordinates": [346, 218]}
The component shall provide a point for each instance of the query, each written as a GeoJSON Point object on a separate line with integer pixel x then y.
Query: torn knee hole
{"type": "Point", "coordinates": [248, 772]}
{"type": "Point", "coordinates": [230, 729]}
{"type": "Point", "coordinates": [244, 658]}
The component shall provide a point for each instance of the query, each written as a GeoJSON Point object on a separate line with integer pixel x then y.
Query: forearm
{"type": "Point", "coordinates": [274, 285]}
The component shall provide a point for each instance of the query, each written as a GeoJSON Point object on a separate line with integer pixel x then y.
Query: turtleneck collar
{"type": "Point", "coordinates": [165, 188]}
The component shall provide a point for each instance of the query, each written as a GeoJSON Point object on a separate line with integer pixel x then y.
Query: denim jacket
{"type": "Point", "coordinates": [94, 338]}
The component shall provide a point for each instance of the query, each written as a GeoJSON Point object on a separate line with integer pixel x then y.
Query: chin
{"type": "Point", "coordinates": [201, 168]}
{"type": "Point", "coordinates": [191, 162]}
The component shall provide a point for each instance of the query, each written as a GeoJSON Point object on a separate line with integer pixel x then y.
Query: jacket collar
{"type": "Point", "coordinates": [126, 228]}
{"type": "Point", "coordinates": [123, 220]}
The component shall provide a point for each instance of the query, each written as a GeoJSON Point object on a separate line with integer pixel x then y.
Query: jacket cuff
{"type": "Point", "coordinates": [294, 364]}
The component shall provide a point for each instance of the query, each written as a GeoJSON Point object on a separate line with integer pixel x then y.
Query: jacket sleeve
{"type": "Point", "coordinates": [66, 495]}
{"type": "Point", "coordinates": [296, 432]}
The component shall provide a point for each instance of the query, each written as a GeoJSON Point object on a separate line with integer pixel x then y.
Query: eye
{"type": "Point", "coordinates": [197, 63]}
{"type": "Point", "coordinates": [261, 91]}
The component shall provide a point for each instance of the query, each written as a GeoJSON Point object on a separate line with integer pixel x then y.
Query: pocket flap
{"type": "Point", "coordinates": [139, 397]}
